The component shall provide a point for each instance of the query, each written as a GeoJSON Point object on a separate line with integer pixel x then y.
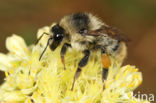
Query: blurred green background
{"type": "Point", "coordinates": [137, 18]}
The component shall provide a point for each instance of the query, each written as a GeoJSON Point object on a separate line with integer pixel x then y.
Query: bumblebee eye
{"type": "Point", "coordinates": [58, 32]}
{"type": "Point", "coordinates": [58, 36]}
{"type": "Point", "coordinates": [83, 31]}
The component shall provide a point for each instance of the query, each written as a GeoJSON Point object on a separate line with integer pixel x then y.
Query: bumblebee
{"type": "Point", "coordinates": [85, 33]}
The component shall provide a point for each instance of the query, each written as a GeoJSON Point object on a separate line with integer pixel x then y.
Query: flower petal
{"type": "Point", "coordinates": [5, 64]}
{"type": "Point", "coordinates": [16, 45]}
{"type": "Point", "coordinates": [12, 97]}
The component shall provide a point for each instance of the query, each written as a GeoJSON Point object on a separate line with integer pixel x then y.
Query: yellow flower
{"type": "Point", "coordinates": [29, 80]}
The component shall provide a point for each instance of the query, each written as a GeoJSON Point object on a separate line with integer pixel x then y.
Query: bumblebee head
{"type": "Point", "coordinates": [58, 35]}
{"type": "Point", "coordinates": [80, 23]}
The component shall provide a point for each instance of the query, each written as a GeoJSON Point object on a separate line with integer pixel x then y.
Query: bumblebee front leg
{"type": "Point", "coordinates": [63, 52]}
{"type": "Point", "coordinates": [81, 64]}
{"type": "Point", "coordinates": [106, 62]}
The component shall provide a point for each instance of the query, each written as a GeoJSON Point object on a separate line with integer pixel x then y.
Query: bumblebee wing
{"type": "Point", "coordinates": [110, 31]}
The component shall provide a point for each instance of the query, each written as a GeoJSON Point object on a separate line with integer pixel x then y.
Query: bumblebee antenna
{"type": "Point", "coordinates": [45, 48]}
{"type": "Point", "coordinates": [41, 37]}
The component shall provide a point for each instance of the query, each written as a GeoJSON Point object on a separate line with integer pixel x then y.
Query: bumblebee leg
{"type": "Point", "coordinates": [81, 64]}
{"type": "Point", "coordinates": [105, 63]}
{"type": "Point", "coordinates": [63, 52]}
{"type": "Point", "coordinates": [104, 74]}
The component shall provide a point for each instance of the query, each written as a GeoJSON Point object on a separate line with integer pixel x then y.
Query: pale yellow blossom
{"type": "Point", "coordinates": [29, 80]}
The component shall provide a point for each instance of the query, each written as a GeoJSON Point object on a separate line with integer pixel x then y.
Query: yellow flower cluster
{"type": "Point", "coordinates": [29, 80]}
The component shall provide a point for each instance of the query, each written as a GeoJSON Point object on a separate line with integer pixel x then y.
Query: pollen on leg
{"type": "Point", "coordinates": [106, 62]}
